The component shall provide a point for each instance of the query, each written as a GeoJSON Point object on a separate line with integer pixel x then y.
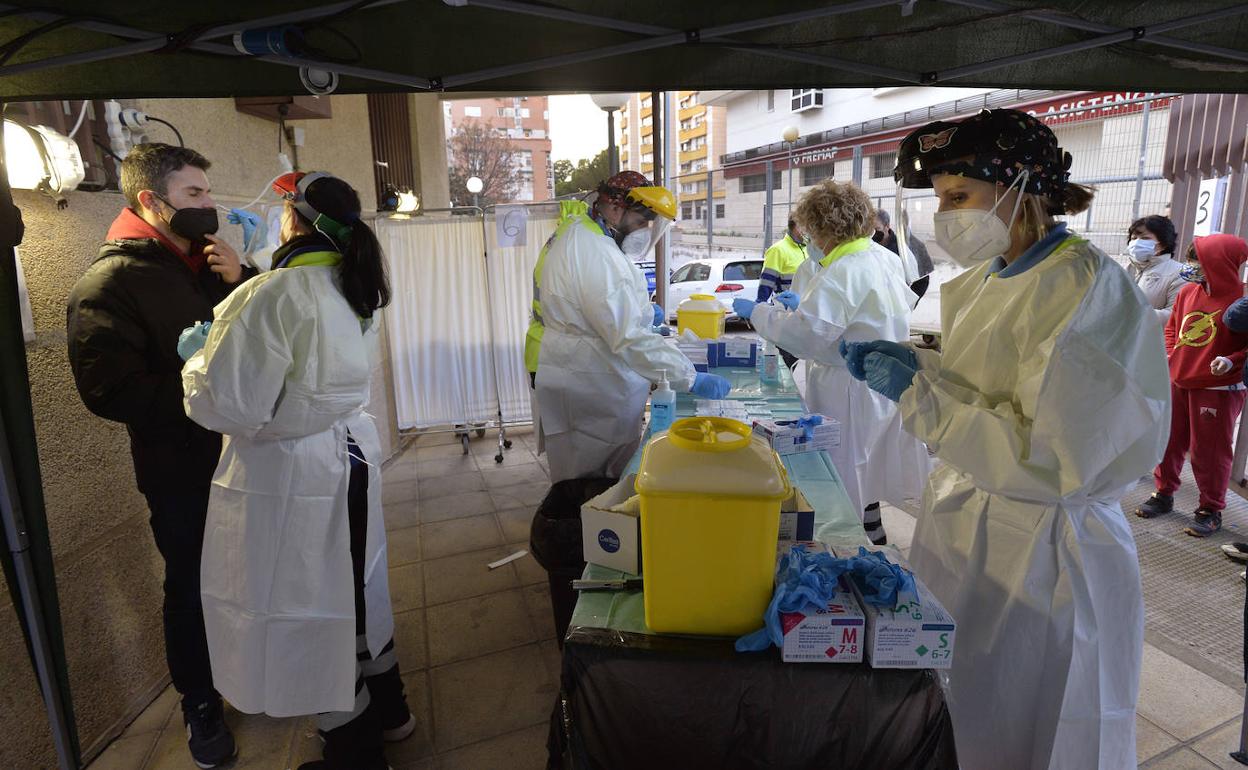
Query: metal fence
{"type": "Point", "coordinates": [725, 213]}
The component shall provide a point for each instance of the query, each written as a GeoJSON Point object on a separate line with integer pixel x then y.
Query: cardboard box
{"type": "Point", "coordinates": [791, 439]}
{"type": "Point", "coordinates": [609, 538]}
{"type": "Point", "coordinates": [797, 518]}
{"type": "Point", "coordinates": [732, 352]}
{"type": "Point", "coordinates": [697, 353]}
{"type": "Point", "coordinates": [909, 635]}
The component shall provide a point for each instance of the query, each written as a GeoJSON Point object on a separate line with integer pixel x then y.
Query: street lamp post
{"type": "Point", "coordinates": [609, 103]}
{"type": "Point", "coordinates": [475, 186]}
{"type": "Point", "coordinates": [790, 136]}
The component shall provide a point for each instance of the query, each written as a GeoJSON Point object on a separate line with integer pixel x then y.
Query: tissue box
{"type": "Point", "coordinates": [791, 439]}
{"type": "Point", "coordinates": [908, 636]}
{"type": "Point", "coordinates": [732, 352]}
{"type": "Point", "coordinates": [797, 518]}
{"type": "Point", "coordinates": [609, 538]}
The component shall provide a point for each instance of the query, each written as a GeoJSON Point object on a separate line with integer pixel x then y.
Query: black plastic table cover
{"type": "Point", "coordinates": [636, 701]}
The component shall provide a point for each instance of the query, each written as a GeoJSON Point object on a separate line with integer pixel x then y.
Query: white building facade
{"type": "Point", "coordinates": [1117, 140]}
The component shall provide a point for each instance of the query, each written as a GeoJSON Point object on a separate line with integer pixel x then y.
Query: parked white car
{"type": "Point", "coordinates": [725, 279]}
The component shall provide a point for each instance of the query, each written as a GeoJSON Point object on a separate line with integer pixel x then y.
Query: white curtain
{"type": "Point", "coordinates": [438, 324]}
{"type": "Point", "coordinates": [510, 276]}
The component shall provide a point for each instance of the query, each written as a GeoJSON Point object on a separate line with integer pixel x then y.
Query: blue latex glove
{"type": "Point", "coordinates": [887, 376]}
{"type": "Point", "coordinates": [250, 223]}
{"type": "Point", "coordinates": [744, 308]}
{"type": "Point", "coordinates": [192, 339]}
{"type": "Point", "coordinates": [710, 386]}
{"type": "Point", "coordinates": [659, 315]}
{"type": "Point", "coordinates": [806, 423]}
{"type": "Point", "coordinates": [789, 299]}
{"type": "Point", "coordinates": [855, 354]}
{"type": "Point", "coordinates": [803, 578]}
{"type": "Point", "coordinates": [662, 331]}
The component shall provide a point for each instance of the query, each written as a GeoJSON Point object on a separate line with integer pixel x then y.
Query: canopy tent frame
{"type": "Point", "coordinates": [654, 38]}
{"type": "Point", "coordinates": [19, 476]}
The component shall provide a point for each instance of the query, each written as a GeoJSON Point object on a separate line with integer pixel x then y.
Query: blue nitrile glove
{"type": "Point", "coordinates": [855, 353]}
{"type": "Point", "coordinates": [662, 331]}
{"type": "Point", "coordinates": [659, 315]}
{"type": "Point", "coordinates": [883, 583]}
{"type": "Point", "coordinates": [789, 299]}
{"type": "Point", "coordinates": [803, 578]}
{"type": "Point", "coordinates": [887, 376]}
{"type": "Point", "coordinates": [710, 386]}
{"type": "Point", "coordinates": [192, 339]}
{"type": "Point", "coordinates": [744, 308]}
{"type": "Point", "coordinates": [806, 423]}
{"type": "Point", "coordinates": [249, 221]}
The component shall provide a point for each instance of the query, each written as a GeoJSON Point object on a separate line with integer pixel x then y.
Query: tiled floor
{"type": "Point", "coordinates": [477, 651]}
{"type": "Point", "coordinates": [476, 646]}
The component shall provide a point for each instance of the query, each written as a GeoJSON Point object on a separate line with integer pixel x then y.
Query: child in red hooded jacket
{"type": "Point", "coordinates": [1206, 388]}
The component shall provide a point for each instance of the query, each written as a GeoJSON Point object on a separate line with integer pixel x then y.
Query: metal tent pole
{"type": "Point", "coordinates": [665, 40]}
{"type": "Point", "coordinates": [528, 9]}
{"type": "Point", "coordinates": [1071, 22]}
{"type": "Point", "coordinates": [19, 545]}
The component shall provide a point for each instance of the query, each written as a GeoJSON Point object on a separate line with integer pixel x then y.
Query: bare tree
{"type": "Point", "coordinates": [476, 150]}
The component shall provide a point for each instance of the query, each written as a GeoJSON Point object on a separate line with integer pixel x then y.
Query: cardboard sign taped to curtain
{"type": "Point", "coordinates": [511, 226]}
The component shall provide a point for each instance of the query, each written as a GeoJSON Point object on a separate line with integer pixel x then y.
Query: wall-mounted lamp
{"type": "Point", "coordinates": [39, 158]}
{"type": "Point", "coordinates": [408, 203]}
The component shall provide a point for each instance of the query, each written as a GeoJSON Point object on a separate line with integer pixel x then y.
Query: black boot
{"type": "Point", "coordinates": [357, 745]}
{"type": "Point", "coordinates": [207, 735]}
{"type": "Point", "coordinates": [386, 692]}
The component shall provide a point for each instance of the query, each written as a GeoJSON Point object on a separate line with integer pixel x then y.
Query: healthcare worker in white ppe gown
{"type": "Point", "coordinates": [1048, 401]}
{"type": "Point", "coordinates": [593, 319]}
{"type": "Point", "coordinates": [850, 288]}
{"type": "Point", "coordinates": [294, 578]}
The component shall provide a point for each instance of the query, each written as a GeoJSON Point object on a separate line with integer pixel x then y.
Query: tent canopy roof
{"type": "Point", "coordinates": [514, 45]}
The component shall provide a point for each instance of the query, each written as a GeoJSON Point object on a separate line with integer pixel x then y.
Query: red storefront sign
{"type": "Point", "coordinates": [1077, 108]}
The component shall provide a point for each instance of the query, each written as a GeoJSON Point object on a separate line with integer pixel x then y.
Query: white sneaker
{"type": "Point", "coordinates": [400, 733]}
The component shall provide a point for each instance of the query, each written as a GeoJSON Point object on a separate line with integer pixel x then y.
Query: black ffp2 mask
{"type": "Point", "coordinates": [193, 223]}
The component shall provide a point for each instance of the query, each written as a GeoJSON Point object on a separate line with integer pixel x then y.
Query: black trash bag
{"type": "Point", "coordinates": [555, 541]}
{"type": "Point", "coordinates": [555, 536]}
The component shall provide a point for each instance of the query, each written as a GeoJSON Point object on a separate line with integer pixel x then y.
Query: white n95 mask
{"type": "Point", "coordinates": [972, 236]}
{"type": "Point", "coordinates": [636, 244]}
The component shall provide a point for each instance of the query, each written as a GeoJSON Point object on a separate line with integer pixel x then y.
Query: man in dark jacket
{"type": "Point", "coordinates": [887, 237]}
{"type": "Point", "coordinates": [161, 270]}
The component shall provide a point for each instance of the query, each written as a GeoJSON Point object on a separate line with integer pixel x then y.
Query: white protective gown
{"type": "Point", "coordinates": [859, 297]}
{"type": "Point", "coordinates": [1050, 400]}
{"type": "Point", "coordinates": [598, 356]}
{"type": "Point", "coordinates": [285, 376]}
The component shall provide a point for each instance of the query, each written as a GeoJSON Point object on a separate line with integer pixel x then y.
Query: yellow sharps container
{"type": "Point", "coordinates": [710, 515]}
{"type": "Point", "coordinates": [703, 315]}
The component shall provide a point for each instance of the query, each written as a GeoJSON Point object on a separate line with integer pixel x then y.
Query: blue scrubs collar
{"type": "Point", "coordinates": [1032, 256]}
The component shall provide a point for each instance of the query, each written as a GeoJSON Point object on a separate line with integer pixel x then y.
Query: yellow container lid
{"type": "Point", "coordinates": [712, 456]}
{"type": "Point", "coordinates": [701, 303]}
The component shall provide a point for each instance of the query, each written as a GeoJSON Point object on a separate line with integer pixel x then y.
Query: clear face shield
{"type": "Point", "coordinates": [639, 231]}
{"type": "Point", "coordinates": [913, 224]}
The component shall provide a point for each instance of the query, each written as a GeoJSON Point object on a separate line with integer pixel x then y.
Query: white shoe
{"type": "Point", "coordinates": [400, 733]}
{"type": "Point", "coordinates": [1236, 551]}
